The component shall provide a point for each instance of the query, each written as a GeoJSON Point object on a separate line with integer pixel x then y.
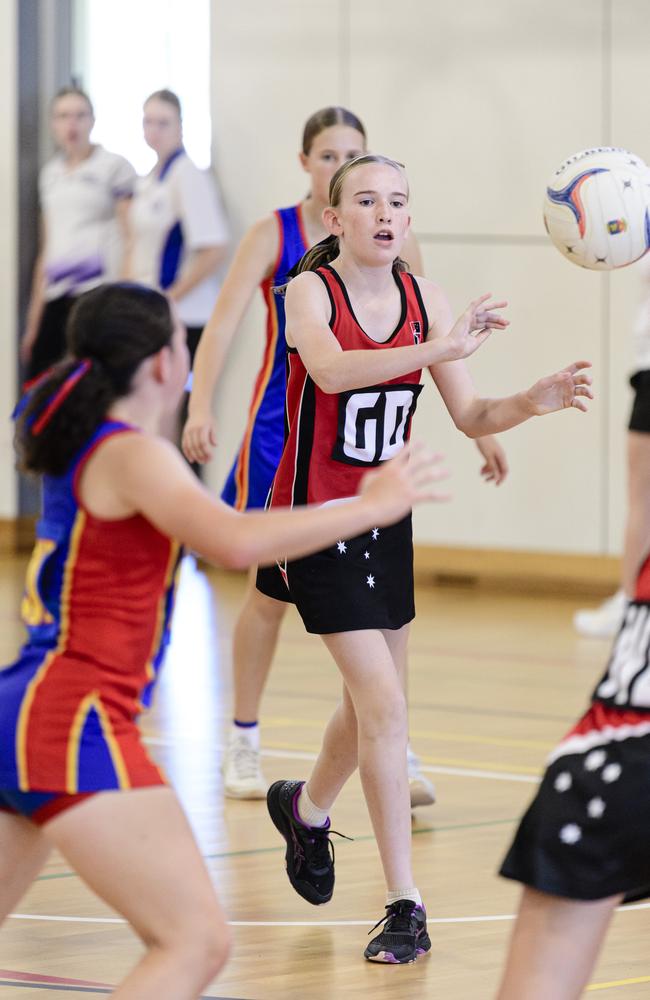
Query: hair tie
{"type": "Point", "coordinates": [60, 396]}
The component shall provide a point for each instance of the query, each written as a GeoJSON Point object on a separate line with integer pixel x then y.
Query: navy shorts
{"type": "Point", "coordinates": [39, 807]}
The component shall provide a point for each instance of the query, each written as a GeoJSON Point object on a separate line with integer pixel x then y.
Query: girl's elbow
{"type": "Point", "coordinates": [329, 382]}
{"type": "Point", "coordinates": [467, 428]}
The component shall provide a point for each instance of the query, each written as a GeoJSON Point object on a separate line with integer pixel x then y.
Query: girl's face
{"type": "Point", "coordinates": [372, 218]}
{"type": "Point", "coordinates": [329, 150]}
{"type": "Point", "coordinates": [71, 122]}
{"type": "Point", "coordinates": [162, 127]}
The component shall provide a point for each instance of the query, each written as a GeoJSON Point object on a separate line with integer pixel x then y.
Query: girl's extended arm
{"type": "Point", "coordinates": [334, 370]}
{"type": "Point", "coordinates": [252, 262]}
{"type": "Point", "coordinates": [495, 462]}
{"type": "Point", "coordinates": [136, 473]}
{"type": "Point", "coordinates": [477, 416]}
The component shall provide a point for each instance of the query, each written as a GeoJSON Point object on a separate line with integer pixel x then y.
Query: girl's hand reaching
{"type": "Point", "coordinates": [569, 387]}
{"type": "Point", "coordinates": [404, 481]}
{"type": "Point", "coordinates": [199, 438]}
{"type": "Point", "coordinates": [473, 327]}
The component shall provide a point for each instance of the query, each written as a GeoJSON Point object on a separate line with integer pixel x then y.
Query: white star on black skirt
{"type": "Point", "coordinates": [366, 555]}
{"type": "Point", "coordinates": [341, 546]}
{"type": "Point", "coordinates": [370, 581]}
{"type": "Point", "coordinates": [375, 534]}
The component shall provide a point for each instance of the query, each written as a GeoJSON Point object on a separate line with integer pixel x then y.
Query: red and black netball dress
{"type": "Point", "coordinates": [97, 605]}
{"type": "Point", "coordinates": [331, 440]}
{"type": "Point", "coordinates": [586, 835]}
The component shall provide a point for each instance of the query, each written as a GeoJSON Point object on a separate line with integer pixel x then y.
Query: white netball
{"type": "Point", "coordinates": [596, 208]}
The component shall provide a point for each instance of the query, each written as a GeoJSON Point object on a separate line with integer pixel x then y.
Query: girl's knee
{"type": "Point", "coordinates": [385, 718]}
{"type": "Point", "coordinates": [202, 940]}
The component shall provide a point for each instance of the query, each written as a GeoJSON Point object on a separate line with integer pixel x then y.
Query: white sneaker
{"type": "Point", "coordinates": [242, 773]}
{"type": "Point", "coordinates": [422, 791]}
{"type": "Point", "coordinates": [604, 621]}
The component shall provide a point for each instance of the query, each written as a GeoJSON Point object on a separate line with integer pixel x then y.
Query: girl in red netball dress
{"type": "Point", "coordinates": [331, 137]}
{"type": "Point", "coordinates": [359, 331]}
{"type": "Point", "coordinates": [117, 503]}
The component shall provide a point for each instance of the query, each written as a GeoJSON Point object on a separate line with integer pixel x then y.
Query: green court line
{"type": "Point", "coordinates": [275, 850]}
{"type": "Point", "coordinates": [95, 990]}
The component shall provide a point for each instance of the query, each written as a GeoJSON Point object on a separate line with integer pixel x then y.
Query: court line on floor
{"type": "Point", "coordinates": [451, 766]}
{"type": "Point", "coordinates": [281, 722]}
{"type": "Point", "coordinates": [618, 982]}
{"type": "Point", "coordinates": [298, 752]}
{"type": "Point", "coordinates": [483, 918]}
{"type": "Point", "coordinates": [361, 838]}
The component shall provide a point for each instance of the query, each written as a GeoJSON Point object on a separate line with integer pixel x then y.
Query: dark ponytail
{"type": "Point", "coordinates": [110, 332]}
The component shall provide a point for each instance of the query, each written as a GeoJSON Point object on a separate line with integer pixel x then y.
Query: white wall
{"type": "Point", "coordinates": [8, 240]}
{"type": "Point", "coordinates": [481, 101]}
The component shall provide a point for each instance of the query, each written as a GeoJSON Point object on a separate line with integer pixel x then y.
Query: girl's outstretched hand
{"type": "Point", "coordinates": [495, 468]}
{"type": "Point", "coordinates": [199, 439]}
{"type": "Point", "coordinates": [474, 326]}
{"type": "Point", "coordinates": [566, 388]}
{"type": "Point", "coordinates": [404, 481]}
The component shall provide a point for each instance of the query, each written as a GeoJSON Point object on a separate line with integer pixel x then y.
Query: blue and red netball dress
{"type": "Point", "coordinates": [97, 605]}
{"type": "Point", "coordinates": [252, 473]}
{"type": "Point", "coordinates": [332, 440]}
{"type": "Point", "coordinates": [586, 835]}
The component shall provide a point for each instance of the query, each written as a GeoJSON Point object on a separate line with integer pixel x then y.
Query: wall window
{"type": "Point", "coordinates": [125, 49]}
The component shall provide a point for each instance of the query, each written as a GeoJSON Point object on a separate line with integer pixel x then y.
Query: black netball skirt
{"type": "Point", "coordinates": [640, 415]}
{"type": "Point", "coordinates": [358, 583]}
{"type": "Point", "coordinates": [586, 834]}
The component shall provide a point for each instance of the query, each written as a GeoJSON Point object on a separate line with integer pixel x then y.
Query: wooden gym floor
{"type": "Point", "coordinates": [495, 681]}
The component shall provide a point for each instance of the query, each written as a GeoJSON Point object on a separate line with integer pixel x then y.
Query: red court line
{"type": "Point", "coordinates": [31, 977]}
{"type": "Point", "coordinates": [26, 980]}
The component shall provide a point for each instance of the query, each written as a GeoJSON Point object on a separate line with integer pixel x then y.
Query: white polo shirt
{"type": "Point", "coordinates": [175, 213]}
{"type": "Point", "coordinates": [83, 245]}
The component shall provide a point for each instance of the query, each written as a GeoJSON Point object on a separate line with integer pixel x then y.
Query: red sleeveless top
{"type": "Point", "coordinates": [331, 439]}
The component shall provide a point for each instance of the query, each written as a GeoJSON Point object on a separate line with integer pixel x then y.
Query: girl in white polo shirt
{"type": "Point", "coordinates": [84, 193]}
{"type": "Point", "coordinates": [179, 233]}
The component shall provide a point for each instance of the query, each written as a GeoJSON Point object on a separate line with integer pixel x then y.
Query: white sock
{"type": "Point", "coordinates": [250, 733]}
{"type": "Point", "coordinates": [393, 895]}
{"type": "Point", "coordinates": [309, 813]}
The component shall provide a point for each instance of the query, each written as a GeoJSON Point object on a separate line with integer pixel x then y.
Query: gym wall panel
{"type": "Point", "coordinates": [481, 101]}
{"type": "Point", "coordinates": [478, 100]}
{"type": "Point", "coordinates": [273, 65]}
{"type": "Point", "coordinates": [552, 498]}
{"type": "Point", "coordinates": [8, 241]}
{"type": "Point", "coordinates": [629, 37]}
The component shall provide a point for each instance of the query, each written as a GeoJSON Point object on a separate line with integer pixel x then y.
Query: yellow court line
{"type": "Point", "coordinates": [484, 765]}
{"type": "Point", "coordinates": [277, 722]}
{"type": "Point", "coordinates": [618, 982]}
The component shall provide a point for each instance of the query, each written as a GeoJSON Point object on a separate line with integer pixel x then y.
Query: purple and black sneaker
{"type": "Point", "coordinates": [310, 854]}
{"type": "Point", "coordinates": [404, 936]}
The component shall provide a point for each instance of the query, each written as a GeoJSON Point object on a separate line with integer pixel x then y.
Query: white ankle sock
{"type": "Point", "coordinates": [309, 813]}
{"type": "Point", "coordinates": [394, 894]}
{"type": "Point", "coordinates": [249, 733]}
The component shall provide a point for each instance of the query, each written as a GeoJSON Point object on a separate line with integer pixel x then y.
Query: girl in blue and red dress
{"type": "Point", "coordinates": [359, 331]}
{"type": "Point", "coordinates": [118, 501]}
{"type": "Point", "coordinates": [331, 137]}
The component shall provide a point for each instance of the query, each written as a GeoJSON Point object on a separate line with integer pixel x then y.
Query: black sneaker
{"type": "Point", "coordinates": [310, 854]}
{"type": "Point", "coordinates": [404, 937]}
